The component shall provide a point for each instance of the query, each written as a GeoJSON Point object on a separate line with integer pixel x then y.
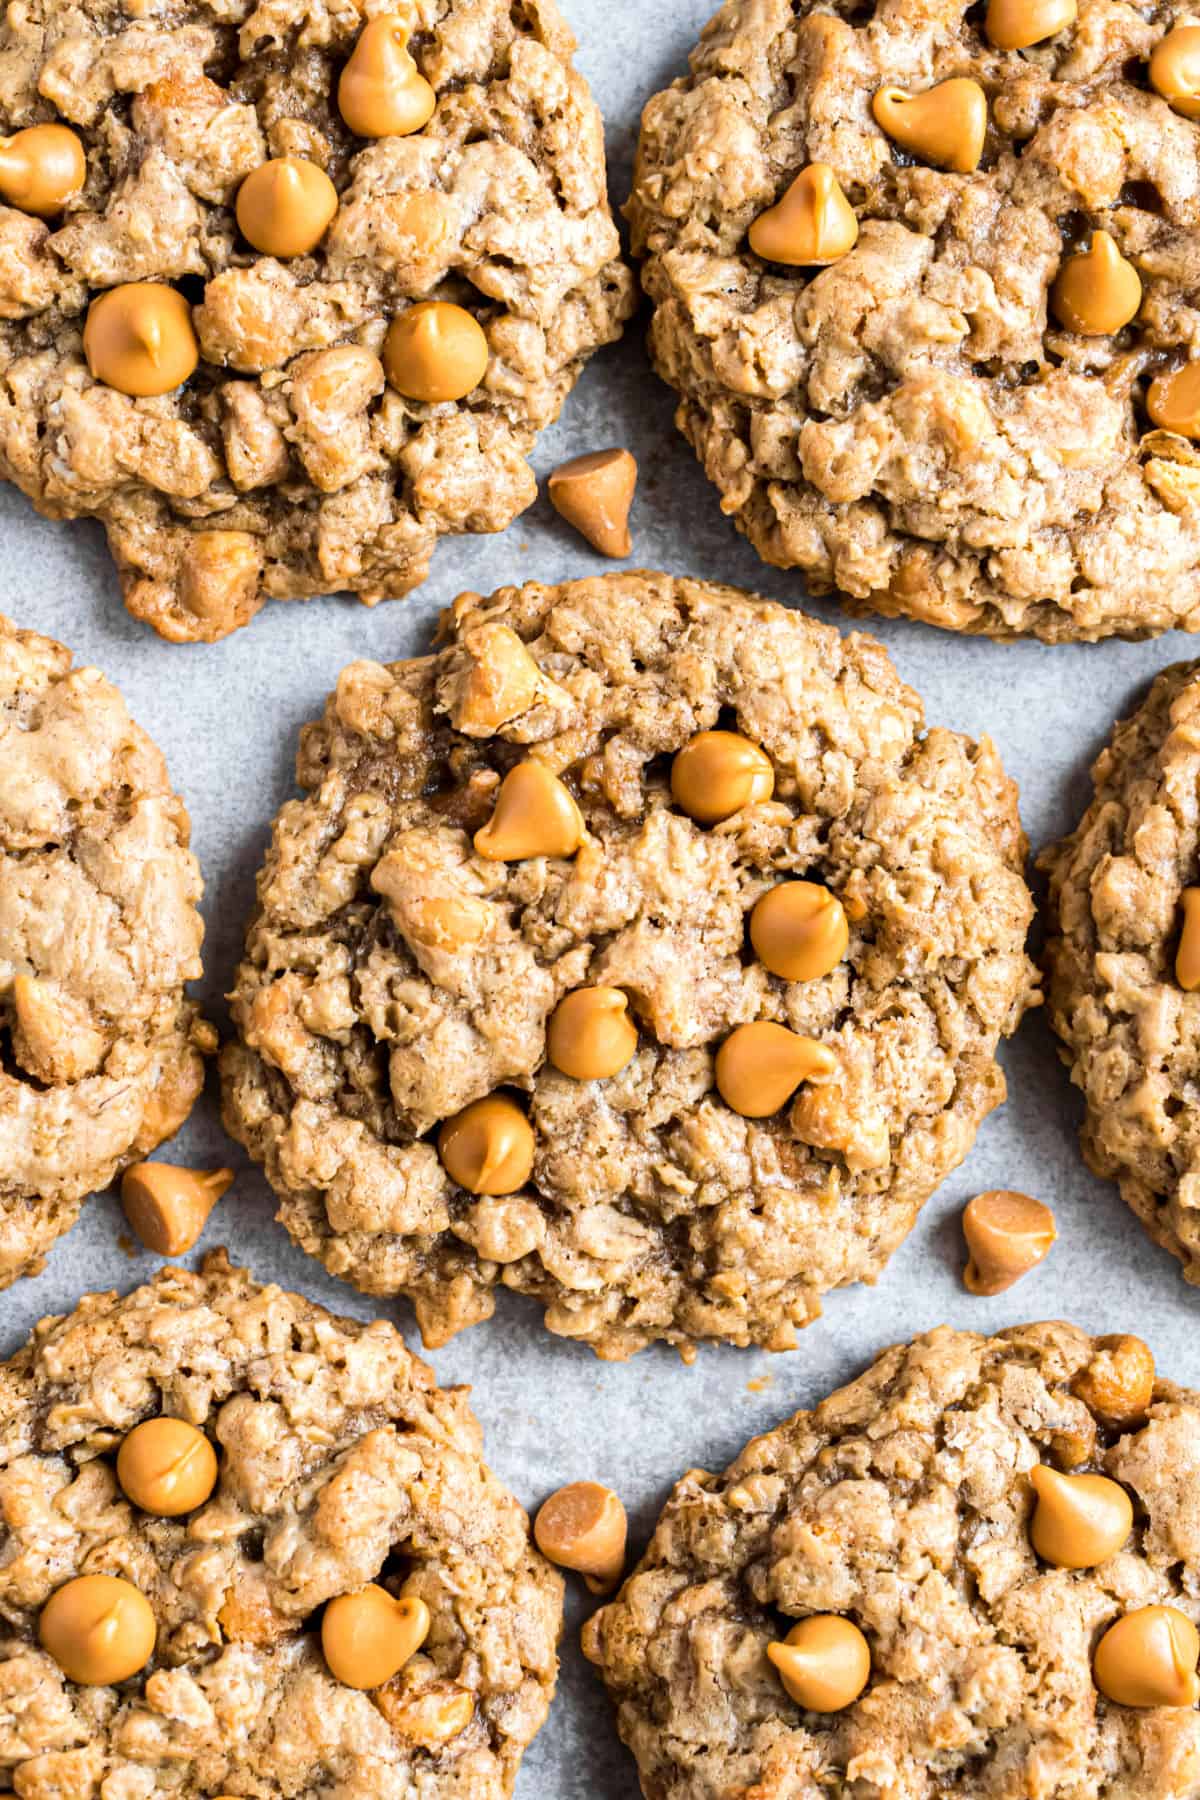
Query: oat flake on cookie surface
{"type": "Point", "coordinates": [395, 974]}
{"type": "Point", "coordinates": [903, 1504]}
{"type": "Point", "coordinates": [340, 1464]}
{"type": "Point", "coordinates": [286, 464]}
{"type": "Point", "coordinates": [914, 425]}
{"type": "Point", "coordinates": [101, 1053]}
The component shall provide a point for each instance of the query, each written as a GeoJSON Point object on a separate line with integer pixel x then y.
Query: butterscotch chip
{"type": "Point", "coordinates": [1019, 24]}
{"type": "Point", "coordinates": [139, 338]}
{"type": "Point", "coordinates": [946, 125]}
{"type": "Point", "coordinates": [813, 224]}
{"type": "Point", "coordinates": [718, 773]}
{"type": "Point", "coordinates": [359, 1589]}
{"type": "Point", "coordinates": [583, 1527]}
{"type": "Point", "coordinates": [1118, 1384]}
{"type": "Point", "coordinates": [168, 1206]}
{"type": "Point", "coordinates": [824, 1663]}
{"type": "Point", "coordinates": [1175, 69]}
{"type": "Point", "coordinates": [435, 352]}
{"type": "Point", "coordinates": [594, 494]}
{"type": "Point", "coordinates": [488, 1148]}
{"type": "Point", "coordinates": [382, 93]}
{"type": "Point", "coordinates": [1098, 290]}
{"type": "Point", "coordinates": [41, 168]}
{"type": "Point", "coordinates": [1148, 1658]}
{"type": "Point", "coordinates": [1187, 956]}
{"type": "Point", "coordinates": [590, 1035]}
{"type": "Point", "coordinates": [1007, 1235]}
{"type": "Point", "coordinates": [1173, 400]}
{"type": "Point", "coordinates": [799, 931]}
{"type": "Point", "coordinates": [284, 207]}
{"type": "Point", "coordinates": [760, 1066]}
{"type": "Point", "coordinates": [535, 815]}
{"type": "Point", "coordinates": [1079, 1520]}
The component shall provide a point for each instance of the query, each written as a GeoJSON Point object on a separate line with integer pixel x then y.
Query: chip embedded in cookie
{"type": "Point", "coordinates": [923, 278]}
{"type": "Point", "coordinates": [642, 951]}
{"type": "Point", "coordinates": [1123, 962]}
{"type": "Point", "coordinates": [972, 1572]}
{"type": "Point", "coordinates": [279, 1536]}
{"type": "Point", "coordinates": [282, 305]}
{"type": "Point", "coordinates": [101, 1053]}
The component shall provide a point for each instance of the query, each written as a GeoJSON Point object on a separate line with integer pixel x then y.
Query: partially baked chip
{"type": "Point", "coordinates": [288, 462]}
{"type": "Point", "coordinates": [101, 1052]}
{"type": "Point", "coordinates": [504, 1016]}
{"type": "Point", "coordinates": [924, 277]}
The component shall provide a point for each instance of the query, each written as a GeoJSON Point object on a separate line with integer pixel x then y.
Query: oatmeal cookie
{"type": "Point", "coordinates": [960, 380]}
{"type": "Point", "coordinates": [641, 951]}
{"type": "Point", "coordinates": [100, 1052]}
{"type": "Point", "coordinates": [241, 418]}
{"type": "Point", "coordinates": [1117, 962]}
{"type": "Point", "coordinates": [931, 1517]}
{"type": "Point", "coordinates": [316, 1459]}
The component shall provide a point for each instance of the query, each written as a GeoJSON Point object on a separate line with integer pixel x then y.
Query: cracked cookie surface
{"type": "Point", "coordinates": [394, 975]}
{"type": "Point", "coordinates": [286, 465]}
{"type": "Point", "coordinates": [100, 1051]}
{"type": "Point", "coordinates": [903, 1503]}
{"type": "Point", "coordinates": [340, 1464]}
{"type": "Point", "coordinates": [1130, 1033]}
{"type": "Point", "coordinates": [912, 426]}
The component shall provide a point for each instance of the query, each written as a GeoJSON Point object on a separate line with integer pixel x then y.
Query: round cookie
{"type": "Point", "coordinates": [231, 413]}
{"type": "Point", "coordinates": [339, 1464]}
{"type": "Point", "coordinates": [898, 312]}
{"type": "Point", "coordinates": [101, 1055]}
{"type": "Point", "coordinates": [903, 1507]}
{"type": "Point", "coordinates": [498, 1027]}
{"type": "Point", "coordinates": [1117, 905]}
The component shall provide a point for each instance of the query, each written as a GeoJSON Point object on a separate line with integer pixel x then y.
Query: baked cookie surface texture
{"type": "Point", "coordinates": [508, 1011]}
{"type": "Point", "coordinates": [322, 1462]}
{"type": "Point", "coordinates": [262, 199]}
{"type": "Point", "coordinates": [924, 279]}
{"type": "Point", "coordinates": [1120, 962]}
{"type": "Point", "coordinates": [102, 1053]}
{"type": "Point", "coordinates": [932, 1513]}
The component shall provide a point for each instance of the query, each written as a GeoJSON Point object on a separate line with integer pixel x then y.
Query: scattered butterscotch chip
{"type": "Point", "coordinates": [435, 352]}
{"type": "Point", "coordinates": [488, 1147]}
{"type": "Point", "coordinates": [99, 1629]}
{"type": "Point", "coordinates": [594, 494]}
{"type": "Point", "coordinates": [167, 1467]}
{"type": "Point", "coordinates": [946, 125]}
{"type": "Point", "coordinates": [285, 206]}
{"type": "Point", "coordinates": [1148, 1658]}
{"type": "Point", "coordinates": [41, 168]}
{"type": "Point", "coordinates": [812, 225]}
{"type": "Point", "coordinates": [382, 93]}
{"type": "Point", "coordinates": [583, 1527]}
{"type": "Point", "coordinates": [535, 815]}
{"type": "Point", "coordinates": [1097, 291]}
{"type": "Point", "coordinates": [1187, 957]}
{"type": "Point", "coordinates": [138, 338]}
{"type": "Point", "coordinates": [760, 1066]}
{"type": "Point", "coordinates": [1118, 1383]}
{"type": "Point", "coordinates": [718, 773]}
{"type": "Point", "coordinates": [1019, 24]}
{"type": "Point", "coordinates": [799, 931]}
{"type": "Point", "coordinates": [1079, 1520]}
{"type": "Point", "coordinates": [367, 1637]}
{"type": "Point", "coordinates": [1007, 1235]}
{"type": "Point", "coordinates": [168, 1206]}
{"type": "Point", "coordinates": [1173, 400]}
{"type": "Point", "coordinates": [824, 1662]}
{"type": "Point", "coordinates": [1175, 69]}
{"type": "Point", "coordinates": [591, 1035]}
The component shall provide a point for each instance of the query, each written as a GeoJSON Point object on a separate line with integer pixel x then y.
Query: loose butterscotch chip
{"type": "Point", "coordinates": [1098, 291]}
{"type": "Point", "coordinates": [1175, 69]}
{"type": "Point", "coordinates": [368, 1637]}
{"type": "Point", "coordinates": [99, 1629]}
{"type": "Point", "coordinates": [435, 352]}
{"type": "Point", "coordinates": [535, 815]}
{"type": "Point", "coordinates": [1148, 1658]}
{"type": "Point", "coordinates": [811, 226]}
{"type": "Point", "coordinates": [1173, 400]}
{"type": "Point", "coordinates": [488, 1147]}
{"type": "Point", "coordinates": [583, 1527]}
{"type": "Point", "coordinates": [138, 338]}
{"type": "Point", "coordinates": [1187, 957]}
{"type": "Point", "coordinates": [594, 494]}
{"type": "Point", "coordinates": [760, 1066]}
{"type": "Point", "coordinates": [718, 773]}
{"type": "Point", "coordinates": [1079, 1520]}
{"type": "Point", "coordinates": [167, 1467]}
{"type": "Point", "coordinates": [1118, 1383]}
{"type": "Point", "coordinates": [799, 931]}
{"type": "Point", "coordinates": [946, 125]}
{"type": "Point", "coordinates": [591, 1035]}
{"type": "Point", "coordinates": [824, 1663]}
{"type": "Point", "coordinates": [41, 168]}
{"type": "Point", "coordinates": [1018, 24]}
{"type": "Point", "coordinates": [382, 93]}
{"type": "Point", "coordinates": [168, 1206]}
{"type": "Point", "coordinates": [285, 206]}
{"type": "Point", "coordinates": [1007, 1235]}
